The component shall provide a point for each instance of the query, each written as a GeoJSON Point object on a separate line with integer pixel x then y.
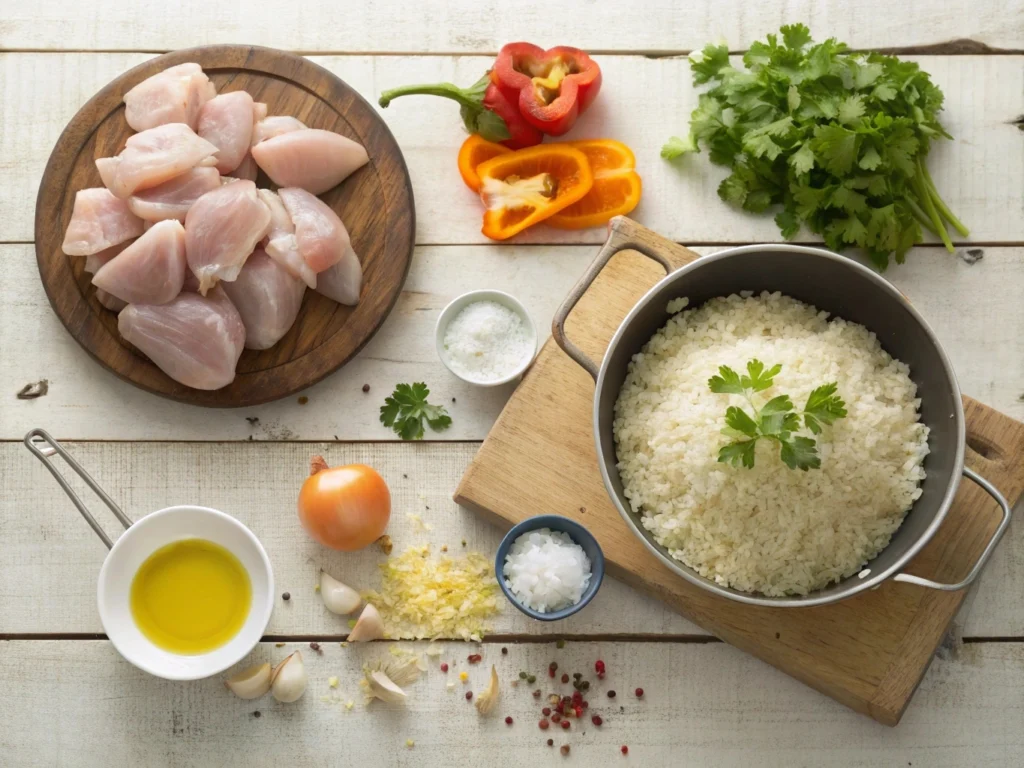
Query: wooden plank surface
{"type": "Point", "coordinates": [643, 102]}
{"type": "Point", "coordinates": [482, 26]}
{"type": "Point", "coordinates": [259, 484]}
{"type": "Point", "coordinates": [703, 705]}
{"type": "Point", "coordinates": [982, 330]}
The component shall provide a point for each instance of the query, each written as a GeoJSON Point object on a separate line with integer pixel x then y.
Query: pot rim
{"type": "Point", "coordinates": [853, 585]}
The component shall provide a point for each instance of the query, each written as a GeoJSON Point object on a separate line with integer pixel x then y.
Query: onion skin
{"type": "Point", "coordinates": [344, 508]}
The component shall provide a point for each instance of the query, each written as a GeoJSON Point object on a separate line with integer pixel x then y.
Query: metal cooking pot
{"type": "Point", "coordinates": [832, 283]}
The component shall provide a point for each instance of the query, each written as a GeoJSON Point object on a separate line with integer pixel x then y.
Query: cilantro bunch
{"type": "Point", "coordinates": [838, 139]}
{"type": "Point", "coordinates": [407, 408]}
{"type": "Point", "coordinates": [776, 420]}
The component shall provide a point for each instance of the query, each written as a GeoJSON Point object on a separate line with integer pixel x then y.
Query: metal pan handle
{"type": "Point", "coordinates": [44, 447]}
{"type": "Point", "coordinates": [624, 234]}
{"type": "Point", "coordinates": [1004, 506]}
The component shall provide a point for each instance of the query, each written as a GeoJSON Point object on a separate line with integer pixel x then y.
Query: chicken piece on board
{"type": "Point", "coordinates": [268, 299]}
{"type": "Point", "coordinates": [311, 159]}
{"type": "Point", "coordinates": [196, 340]}
{"type": "Point", "coordinates": [281, 244]}
{"type": "Point", "coordinates": [153, 157]}
{"type": "Point", "coordinates": [98, 221]}
{"type": "Point", "coordinates": [172, 199]}
{"type": "Point", "coordinates": [93, 262]}
{"type": "Point", "coordinates": [149, 271]}
{"type": "Point", "coordinates": [175, 95]}
{"type": "Point", "coordinates": [226, 121]}
{"type": "Point", "coordinates": [275, 125]}
{"type": "Point", "coordinates": [343, 281]}
{"type": "Point", "coordinates": [221, 229]}
{"type": "Point", "coordinates": [247, 169]}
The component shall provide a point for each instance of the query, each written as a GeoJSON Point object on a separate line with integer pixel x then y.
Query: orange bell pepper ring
{"type": "Point", "coordinates": [616, 189]}
{"type": "Point", "coordinates": [528, 186]}
{"type": "Point", "coordinates": [474, 151]}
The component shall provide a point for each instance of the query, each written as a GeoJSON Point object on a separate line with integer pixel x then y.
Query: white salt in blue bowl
{"type": "Point", "coordinates": [579, 535]}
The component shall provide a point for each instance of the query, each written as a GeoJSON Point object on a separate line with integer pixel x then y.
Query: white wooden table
{"type": "Point", "coordinates": [68, 698]}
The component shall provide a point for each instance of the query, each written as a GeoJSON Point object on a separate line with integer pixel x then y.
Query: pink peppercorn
{"type": "Point", "coordinates": [596, 720]}
{"type": "Point", "coordinates": [508, 720]}
{"type": "Point", "coordinates": [624, 749]}
{"type": "Point", "coordinates": [565, 724]}
{"type": "Point", "coordinates": [543, 724]}
{"type": "Point", "coordinates": [546, 711]}
{"type": "Point", "coordinates": [469, 695]}
{"type": "Point", "coordinates": [444, 666]}
{"type": "Point", "coordinates": [639, 693]}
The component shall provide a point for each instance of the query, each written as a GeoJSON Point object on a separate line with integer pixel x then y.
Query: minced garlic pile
{"type": "Point", "coordinates": [425, 598]}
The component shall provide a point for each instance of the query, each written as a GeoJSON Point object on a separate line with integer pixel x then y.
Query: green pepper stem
{"type": "Point", "coordinates": [446, 90]}
{"type": "Point", "coordinates": [939, 202]}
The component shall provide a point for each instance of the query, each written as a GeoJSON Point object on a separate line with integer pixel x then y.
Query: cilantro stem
{"type": "Point", "coordinates": [939, 202]}
{"type": "Point", "coordinates": [921, 216]}
{"type": "Point", "coordinates": [926, 202]}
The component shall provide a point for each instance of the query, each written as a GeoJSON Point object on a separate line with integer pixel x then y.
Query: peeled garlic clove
{"type": "Point", "coordinates": [250, 683]}
{"type": "Point", "coordinates": [489, 697]}
{"type": "Point", "coordinates": [288, 680]}
{"type": "Point", "coordinates": [384, 688]}
{"type": "Point", "coordinates": [370, 626]}
{"type": "Point", "coordinates": [338, 598]}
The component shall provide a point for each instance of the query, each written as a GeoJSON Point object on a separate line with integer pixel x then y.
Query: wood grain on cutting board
{"type": "Point", "coordinates": [867, 652]}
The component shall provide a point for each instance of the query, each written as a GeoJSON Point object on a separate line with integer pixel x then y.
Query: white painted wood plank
{"type": "Point", "coordinates": [975, 310]}
{"type": "Point", "coordinates": [79, 704]}
{"type": "Point", "coordinates": [482, 26]}
{"type": "Point", "coordinates": [644, 101]}
{"type": "Point", "coordinates": [48, 578]}
{"type": "Point", "coordinates": [47, 582]}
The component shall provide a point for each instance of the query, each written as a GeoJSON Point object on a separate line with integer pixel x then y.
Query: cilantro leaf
{"type": "Point", "coordinates": [757, 378]}
{"type": "Point", "coordinates": [740, 453]}
{"type": "Point", "coordinates": [407, 408]}
{"type": "Point", "coordinates": [833, 140]}
{"type": "Point", "coordinates": [727, 382]}
{"type": "Point", "coordinates": [823, 405]}
{"type": "Point", "coordinates": [738, 420]}
{"type": "Point", "coordinates": [800, 453]}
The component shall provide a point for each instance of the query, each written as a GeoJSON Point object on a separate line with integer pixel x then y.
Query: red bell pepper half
{"type": "Point", "coordinates": [552, 88]}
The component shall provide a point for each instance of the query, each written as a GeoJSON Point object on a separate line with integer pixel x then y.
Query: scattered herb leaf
{"type": "Point", "coordinates": [407, 408]}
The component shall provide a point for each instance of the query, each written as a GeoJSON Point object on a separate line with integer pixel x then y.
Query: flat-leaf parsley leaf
{"type": "Point", "coordinates": [775, 420]}
{"type": "Point", "coordinates": [407, 409]}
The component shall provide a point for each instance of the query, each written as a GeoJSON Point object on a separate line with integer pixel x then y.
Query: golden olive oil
{"type": "Point", "coordinates": [190, 596]}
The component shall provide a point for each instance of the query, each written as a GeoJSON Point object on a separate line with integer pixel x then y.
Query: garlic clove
{"type": "Point", "coordinates": [288, 680]}
{"type": "Point", "coordinates": [384, 688]}
{"type": "Point", "coordinates": [338, 598]}
{"type": "Point", "coordinates": [489, 696]}
{"type": "Point", "coordinates": [370, 626]}
{"type": "Point", "coordinates": [250, 683]}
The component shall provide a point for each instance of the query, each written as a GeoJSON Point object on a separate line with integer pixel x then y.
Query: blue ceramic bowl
{"type": "Point", "coordinates": [578, 534]}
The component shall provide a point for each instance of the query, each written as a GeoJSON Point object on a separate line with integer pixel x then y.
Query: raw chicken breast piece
{"type": "Point", "coordinates": [98, 221]}
{"type": "Point", "coordinates": [312, 159]}
{"type": "Point", "coordinates": [149, 271]}
{"type": "Point", "coordinates": [226, 121]}
{"type": "Point", "coordinates": [321, 237]}
{"type": "Point", "coordinates": [247, 169]}
{"type": "Point", "coordinates": [259, 111]}
{"type": "Point", "coordinates": [221, 229]}
{"type": "Point", "coordinates": [175, 95]}
{"type": "Point", "coordinates": [112, 303]}
{"type": "Point", "coordinates": [191, 283]}
{"type": "Point", "coordinates": [275, 125]}
{"type": "Point", "coordinates": [94, 261]}
{"type": "Point", "coordinates": [153, 157]}
{"type": "Point", "coordinates": [268, 299]}
{"type": "Point", "coordinates": [172, 199]}
{"type": "Point", "coordinates": [196, 340]}
{"type": "Point", "coordinates": [281, 244]}
{"type": "Point", "coordinates": [343, 281]}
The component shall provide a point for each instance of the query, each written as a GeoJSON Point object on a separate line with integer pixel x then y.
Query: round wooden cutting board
{"type": "Point", "coordinates": [375, 203]}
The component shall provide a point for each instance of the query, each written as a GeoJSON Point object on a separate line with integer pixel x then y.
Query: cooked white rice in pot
{"type": "Point", "coordinates": [768, 529]}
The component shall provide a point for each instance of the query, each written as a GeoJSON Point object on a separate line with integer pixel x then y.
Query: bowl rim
{"type": "Point", "coordinates": [854, 585]}
{"type": "Point", "coordinates": [120, 546]}
{"type": "Point", "coordinates": [577, 532]}
{"type": "Point", "coordinates": [462, 301]}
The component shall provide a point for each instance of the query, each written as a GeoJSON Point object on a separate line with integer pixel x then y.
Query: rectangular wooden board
{"type": "Point", "coordinates": [868, 652]}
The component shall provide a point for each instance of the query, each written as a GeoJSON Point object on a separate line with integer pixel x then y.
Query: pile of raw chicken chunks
{"type": "Point", "coordinates": [197, 262]}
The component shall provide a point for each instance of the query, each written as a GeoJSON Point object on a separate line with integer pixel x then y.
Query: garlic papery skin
{"type": "Point", "coordinates": [384, 688]}
{"type": "Point", "coordinates": [370, 626]}
{"type": "Point", "coordinates": [489, 696]}
{"type": "Point", "coordinates": [338, 598]}
{"type": "Point", "coordinates": [288, 680]}
{"type": "Point", "coordinates": [250, 683]}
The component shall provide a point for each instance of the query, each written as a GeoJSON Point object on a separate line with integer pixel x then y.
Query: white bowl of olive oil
{"type": "Point", "coordinates": [185, 592]}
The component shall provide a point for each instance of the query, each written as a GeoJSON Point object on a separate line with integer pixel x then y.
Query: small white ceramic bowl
{"type": "Point", "coordinates": [143, 538]}
{"type": "Point", "coordinates": [461, 302]}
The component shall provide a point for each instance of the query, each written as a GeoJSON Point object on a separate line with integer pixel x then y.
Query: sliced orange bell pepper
{"type": "Point", "coordinates": [476, 150]}
{"type": "Point", "coordinates": [530, 185]}
{"type": "Point", "coordinates": [616, 189]}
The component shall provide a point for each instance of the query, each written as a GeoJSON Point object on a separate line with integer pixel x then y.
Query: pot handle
{"type": "Point", "coordinates": [43, 446]}
{"type": "Point", "coordinates": [1004, 506]}
{"type": "Point", "coordinates": [624, 234]}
